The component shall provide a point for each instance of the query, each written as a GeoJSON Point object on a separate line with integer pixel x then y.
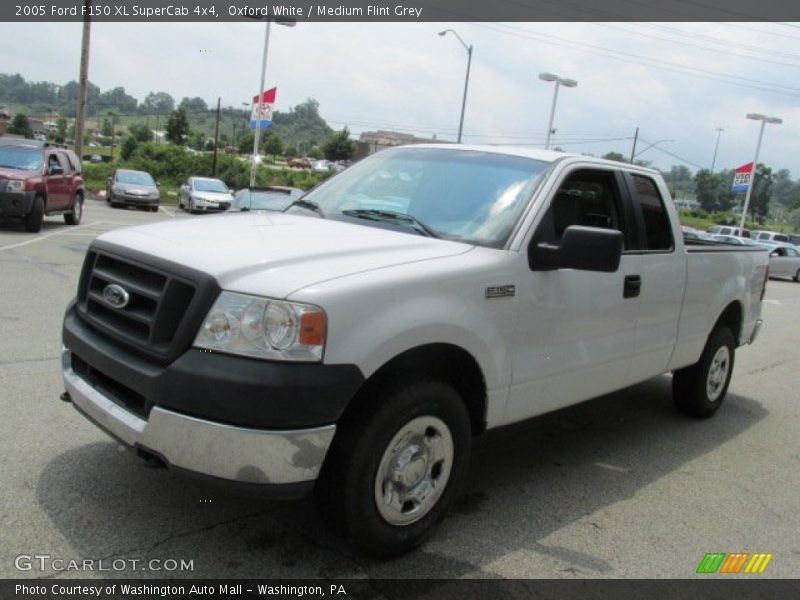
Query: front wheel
{"type": "Point", "coordinates": [74, 218]}
{"type": "Point", "coordinates": [34, 219]}
{"type": "Point", "coordinates": [797, 276]}
{"type": "Point", "coordinates": [698, 390]}
{"type": "Point", "coordinates": [396, 467]}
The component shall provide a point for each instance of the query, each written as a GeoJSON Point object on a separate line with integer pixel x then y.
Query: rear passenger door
{"type": "Point", "coordinates": [663, 277]}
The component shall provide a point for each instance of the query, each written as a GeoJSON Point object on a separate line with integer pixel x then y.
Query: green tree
{"type": "Point", "coordinates": [108, 128]}
{"type": "Point", "coordinates": [272, 145]}
{"type": "Point", "coordinates": [339, 146]}
{"type": "Point", "coordinates": [141, 132]}
{"type": "Point", "coordinates": [196, 140]}
{"type": "Point", "coordinates": [762, 192]}
{"type": "Point", "coordinates": [783, 188]}
{"type": "Point", "coordinates": [177, 126]}
{"type": "Point", "coordinates": [61, 130]}
{"type": "Point", "coordinates": [193, 104]}
{"type": "Point", "coordinates": [157, 103]}
{"type": "Point", "coordinates": [246, 142]}
{"type": "Point", "coordinates": [128, 147]}
{"type": "Point", "coordinates": [20, 125]}
{"type": "Point", "coordinates": [615, 156]}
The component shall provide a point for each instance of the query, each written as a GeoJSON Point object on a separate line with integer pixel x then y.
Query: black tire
{"type": "Point", "coordinates": [797, 276]}
{"type": "Point", "coordinates": [34, 219]}
{"type": "Point", "coordinates": [74, 218]}
{"type": "Point", "coordinates": [154, 209]}
{"type": "Point", "coordinates": [693, 390]}
{"type": "Point", "coordinates": [346, 491]}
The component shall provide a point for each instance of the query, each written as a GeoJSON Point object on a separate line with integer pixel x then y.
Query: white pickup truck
{"type": "Point", "coordinates": [355, 343]}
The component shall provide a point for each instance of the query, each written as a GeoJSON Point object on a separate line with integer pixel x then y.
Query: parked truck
{"type": "Point", "coordinates": [353, 345]}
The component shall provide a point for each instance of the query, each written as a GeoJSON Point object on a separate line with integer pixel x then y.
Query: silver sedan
{"type": "Point", "coordinates": [784, 261]}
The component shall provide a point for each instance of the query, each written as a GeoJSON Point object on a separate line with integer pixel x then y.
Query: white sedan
{"type": "Point", "coordinates": [203, 194]}
{"type": "Point", "coordinates": [784, 261]}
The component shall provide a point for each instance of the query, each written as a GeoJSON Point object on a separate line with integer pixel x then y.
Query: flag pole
{"type": "Point", "coordinates": [254, 164]}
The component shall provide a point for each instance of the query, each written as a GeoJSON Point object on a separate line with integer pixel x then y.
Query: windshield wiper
{"type": "Point", "coordinates": [390, 216]}
{"type": "Point", "coordinates": [309, 204]}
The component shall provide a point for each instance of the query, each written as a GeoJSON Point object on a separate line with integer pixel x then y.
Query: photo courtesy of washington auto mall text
{"type": "Point", "coordinates": [399, 299]}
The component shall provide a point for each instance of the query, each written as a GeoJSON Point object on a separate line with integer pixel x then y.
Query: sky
{"type": "Point", "coordinates": [677, 82]}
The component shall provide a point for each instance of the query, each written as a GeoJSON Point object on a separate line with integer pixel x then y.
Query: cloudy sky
{"type": "Point", "coordinates": [676, 82]}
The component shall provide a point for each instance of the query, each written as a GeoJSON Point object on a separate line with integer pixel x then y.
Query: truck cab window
{"type": "Point", "coordinates": [658, 232]}
{"type": "Point", "coordinates": [588, 198]}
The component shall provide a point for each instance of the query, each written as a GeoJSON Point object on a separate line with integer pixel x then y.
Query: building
{"type": "Point", "coordinates": [372, 141]}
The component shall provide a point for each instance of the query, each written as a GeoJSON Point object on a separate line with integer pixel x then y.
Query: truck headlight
{"type": "Point", "coordinates": [15, 185]}
{"type": "Point", "coordinates": [264, 328]}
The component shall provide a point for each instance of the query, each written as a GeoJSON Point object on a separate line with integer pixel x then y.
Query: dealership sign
{"type": "Point", "coordinates": [267, 100]}
{"type": "Point", "coordinates": [741, 178]}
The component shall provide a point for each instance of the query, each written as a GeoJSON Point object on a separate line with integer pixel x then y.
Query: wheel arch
{"type": "Point", "coordinates": [444, 362]}
{"type": "Point", "coordinates": [732, 317]}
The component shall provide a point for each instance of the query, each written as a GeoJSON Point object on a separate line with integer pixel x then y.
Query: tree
{"type": "Point", "coordinates": [108, 128]}
{"type": "Point", "coordinates": [783, 188]}
{"type": "Point", "coordinates": [339, 146]}
{"type": "Point", "coordinates": [614, 156]}
{"type": "Point", "coordinates": [141, 132]}
{"type": "Point", "coordinates": [118, 100]}
{"type": "Point", "coordinates": [246, 142]}
{"type": "Point", "coordinates": [196, 140]}
{"type": "Point", "coordinates": [157, 103]}
{"type": "Point", "coordinates": [177, 126]}
{"type": "Point", "coordinates": [128, 146]}
{"type": "Point", "coordinates": [272, 145]}
{"type": "Point", "coordinates": [762, 192]}
{"type": "Point", "coordinates": [193, 104]}
{"type": "Point", "coordinates": [20, 125]}
{"type": "Point", "coordinates": [61, 130]}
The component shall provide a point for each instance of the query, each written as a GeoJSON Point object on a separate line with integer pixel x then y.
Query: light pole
{"type": "Point", "coordinates": [764, 120]}
{"type": "Point", "coordinates": [559, 81]}
{"type": "Point", "coordinates": [253, 164]}
{"type": "Point", "coordinates": [466, 79]}
{"type": "Point", "coordinates": [716, 147]}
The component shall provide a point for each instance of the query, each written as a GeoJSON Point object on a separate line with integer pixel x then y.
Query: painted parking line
{"type": "Point", "coordinates": [169, 212]}
{"type": "Point", "coordinates": [41, 238]}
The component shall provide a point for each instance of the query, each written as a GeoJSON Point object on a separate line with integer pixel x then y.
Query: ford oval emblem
{"type": "Point", "coordinates": [115, 295]}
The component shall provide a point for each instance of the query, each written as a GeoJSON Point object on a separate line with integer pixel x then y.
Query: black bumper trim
{"type": "Point", "coordinates": [218, 387]}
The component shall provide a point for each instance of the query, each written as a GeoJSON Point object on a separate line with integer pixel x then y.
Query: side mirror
{"type": "Point", "coordinates": [55, 170]}
{"type": "Point", "coordinates": [108, 181]}
{"type": "Point", "coordinates": [158, 185]}
{"type": "Point", "coordinates": [582, 248]}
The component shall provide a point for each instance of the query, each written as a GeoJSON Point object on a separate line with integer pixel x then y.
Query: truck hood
{"type": "Point", "coordinates": [275, 254]}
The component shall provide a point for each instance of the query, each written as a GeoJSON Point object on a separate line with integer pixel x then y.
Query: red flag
{"type": "Point", "coordinates": [268, 96]}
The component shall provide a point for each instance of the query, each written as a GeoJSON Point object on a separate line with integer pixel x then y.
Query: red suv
{"type": "Point", "coordinates": [38, 180]}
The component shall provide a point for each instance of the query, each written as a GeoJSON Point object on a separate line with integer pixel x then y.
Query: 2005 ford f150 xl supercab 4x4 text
{"type": "Point", "coordinates": [354, 344]}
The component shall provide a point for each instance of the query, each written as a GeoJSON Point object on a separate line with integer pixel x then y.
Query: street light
{"type": "Point", "coordinates": [466, 80]}
{"type": "Point", "coordinates": [764, 120]}
{"type": "Point", "coordinates": [285, 23]}
{"type": "Point", "coordinates": [714, 160]}
{"type": "Point", "coordinates": [559, 82]}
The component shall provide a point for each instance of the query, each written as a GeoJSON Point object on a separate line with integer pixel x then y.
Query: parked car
{"type": "Point", "coordinates": [321, 166]}
{"type": "Point", "coordinates": [353, 350]}
{"type": "Point", "coordinates": [727, 230]}
{"type": "Point", "coordinates": [203, 194]}
{"type": "Point", "coordinates": [784, 261]}
{"type": "Point", "coordinates": [690, 233]}
{"type": "Point", "coordinates": [273, 198]}
{"type": "Point", "coordinates": [735, 240]}
{"type": "Point", "coordinates": [299, 163]}
{"type": "Point", "coordinates": [127, 187]}
{"type": "Point", "coordinates": [38, 180]}
{"type": "Point", "coordinates": [770, 236]}
{"type": "Point", "coordinates": [95, 158]}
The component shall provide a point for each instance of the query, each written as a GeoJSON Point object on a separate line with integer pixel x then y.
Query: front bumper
{"type": "Point", "coordinates": [134, 200]}
{"type": "Point", "coordinates": [211, 206]}
{"type": "Point", "coordinates": [15, 204]}
{"type": "Point", "coordinates": [240, 454]}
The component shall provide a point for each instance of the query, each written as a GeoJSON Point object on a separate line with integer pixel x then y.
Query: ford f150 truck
{"type": "Point", "coordinates": [355, 343]}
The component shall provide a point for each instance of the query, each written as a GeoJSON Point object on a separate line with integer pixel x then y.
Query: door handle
{"type": "Point", "coordinates": [633, 285]}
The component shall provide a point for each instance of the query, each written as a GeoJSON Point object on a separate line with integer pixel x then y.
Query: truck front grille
{"type": "Point", "coordinates": [163, 308]}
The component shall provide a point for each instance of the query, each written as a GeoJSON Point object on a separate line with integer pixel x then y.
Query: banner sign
{"type": "Point", "coordinates": [268, 99]}
{"type": "Point", "coordinates": [741, 178]}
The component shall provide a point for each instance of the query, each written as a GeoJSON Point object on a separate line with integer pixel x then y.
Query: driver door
{"type": "Point", "coordinates": [576, 333]}
{"type": "Point", "coordinates": [56, 182]}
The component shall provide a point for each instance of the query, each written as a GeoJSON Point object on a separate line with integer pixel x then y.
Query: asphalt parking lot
{"type": "Point", "coordinates": [620, 486]}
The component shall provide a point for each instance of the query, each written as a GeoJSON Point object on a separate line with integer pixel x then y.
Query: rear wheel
{"type": "Point", "coordinates": [396, 467]}
{"type": "Point", "coordinates": [699, 390]}
{"type": "Point", "coordinates": [34, 219]}
{"type": "Point", "coordinates": [74, 218]}
{"type": "Point", "coordinates": [797, 276]}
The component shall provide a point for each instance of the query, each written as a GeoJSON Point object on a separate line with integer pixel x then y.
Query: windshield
{"type": "Point", "coordinates": [20, 158]}
{"type": "Point", "coordinates": [476, 197]}
{"type": "Point", "coordinates": [210, 185]}
{"type": "Point", "coordinates": [265, 200]}
{"type": "Point", "coordinates": [135, 178]}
